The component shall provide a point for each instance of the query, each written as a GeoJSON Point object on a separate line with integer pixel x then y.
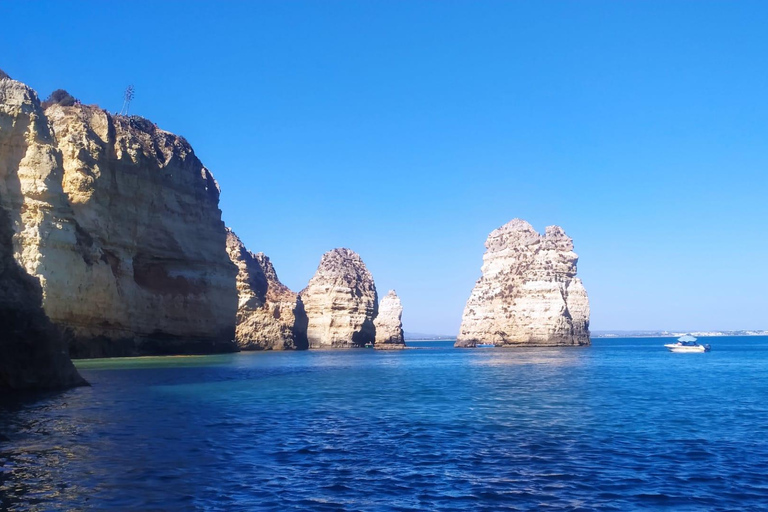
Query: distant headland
{"type": "Point", "coordinates": [674, 334]}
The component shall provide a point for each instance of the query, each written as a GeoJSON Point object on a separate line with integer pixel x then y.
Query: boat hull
{"type": "Point", "coordinates": [684, 349]}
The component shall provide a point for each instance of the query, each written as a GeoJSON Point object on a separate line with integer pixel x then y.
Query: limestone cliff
{"type": "Point", "coordinates": [119, 222]}
{"type": "Point", "coordinates": [341, 302]}
{"type": "Point", "coordinates": [33, 355]}
{"type": "Point", "coordinates": [389, 324]}
{"type": "Point", "coordinates": [528, 293]}
{"type": "Point", "coordinates": [269, 315]}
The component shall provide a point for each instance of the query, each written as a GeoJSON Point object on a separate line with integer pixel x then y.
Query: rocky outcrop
{"type": "Point", "coordinates": [528, 293]}
{"type": "Point", "coordinates": [119, 222]}
{"type": "Point", "coordinates": [33, 355]}
{"type": "Point", "coordinates": [341, 302]}
{"type": "Point", "coordinates": [389, 324]}
{"type": "Point", "coordinates": [269, 315]}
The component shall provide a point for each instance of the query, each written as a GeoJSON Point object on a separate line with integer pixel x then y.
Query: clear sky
{"type": "Point", "coordinates": [408, 130]}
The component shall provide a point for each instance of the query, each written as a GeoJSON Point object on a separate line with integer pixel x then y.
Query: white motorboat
{"type": "Point", "coordinates": [484, 345]}
{"type": "Point", "coordinates": [687, 344]}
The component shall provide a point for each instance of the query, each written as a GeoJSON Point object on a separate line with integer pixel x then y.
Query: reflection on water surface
{"type": "Point", "coordinates": [446, 429]}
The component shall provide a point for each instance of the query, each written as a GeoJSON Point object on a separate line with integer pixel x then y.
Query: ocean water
{"type": "Point", "coordinates": [621, 425]}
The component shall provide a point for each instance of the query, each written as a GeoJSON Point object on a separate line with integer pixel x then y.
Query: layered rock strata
{"type": "Point", "coordinates": [33, 355]}
{"type": "Point", "coordinates": [389, 323]}
{"type": "Point", "coordinates": [119, 222]}
{"type": "Point", "coordinates": [269, 316]}
{"type": "Point", "coordinates": [341, 302]}
{"type": "Point", "coordinates": [528, 293]}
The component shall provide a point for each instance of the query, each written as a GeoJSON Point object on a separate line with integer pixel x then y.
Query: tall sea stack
{"type": "Point", "coordinates": [341, 302]}
{"type": "Point", "coordinates": [528, 294]}
{"type": "Point", "coordinates": [389, 323]}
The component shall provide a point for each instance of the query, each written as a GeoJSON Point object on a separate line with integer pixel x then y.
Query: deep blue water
{"type": "Point", "coordinates": [621, 425]}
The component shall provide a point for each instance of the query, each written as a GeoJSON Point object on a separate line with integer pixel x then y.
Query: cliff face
{"type": "Point", "coordinates": [528, 293]}
{"type": "Point", "coordinates": [120, 224]}
{"type": "Point", "coordinates": [341, 302]}
{"type": "Point", "coordinates": [33, 355]}
{"type": "Point", "coordinates": [155, 276]}
{"type": "Point", "coordinates": [269, 315]}
{"type": "Point", "coordinates": [389, 325]}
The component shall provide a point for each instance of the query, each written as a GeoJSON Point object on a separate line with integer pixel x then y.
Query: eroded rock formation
{"type": "Point", "coordinates": [33, 355]}
{"type": "Point", "coordinates": [389, 324]}
{"type": "Point", "coordinates": [119, 222]}
{"type": "Point", "coordinates": [528, 293]}
{"type": "Point", "coordinates": [341, 302]}
{"type": "Point", "coordinates": [269, 315]}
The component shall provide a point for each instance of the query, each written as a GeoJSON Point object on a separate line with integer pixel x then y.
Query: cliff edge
{"type": "Point", "coordinates": [119, 222]}
{"type": "Point", "coordinates": [33, 354]}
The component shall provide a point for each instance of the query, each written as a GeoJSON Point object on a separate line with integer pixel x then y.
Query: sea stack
{"type": "Point", "coordinates": [269, 316]}
{"type": "Point", "coordinates": [119, 222]}
{"type": "Point", "coordinates": [341, 302]}
{"type": "Point", "coordinates": [528, 294]}
{"type": "Point", "coordinates": [389, 324]}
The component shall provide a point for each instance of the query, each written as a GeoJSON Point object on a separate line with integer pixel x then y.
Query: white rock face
{"type": "Point", "coordinates": [528, 293]}
{"type": "Point", "coordinates": [119, 222]}
{"type": "Point", "coordinates": [389, 323]}
{"type": "Point", "coordinates": [269, 315]}
{"type": "Point", "coordinates": [341, 302]}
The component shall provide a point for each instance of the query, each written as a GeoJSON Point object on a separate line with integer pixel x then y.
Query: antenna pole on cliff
{"type": "Point", "coordinates": [127, 97]}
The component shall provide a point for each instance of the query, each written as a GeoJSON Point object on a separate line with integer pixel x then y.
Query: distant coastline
{"type": "Point", "coordinates": [675, 334]}
{"type": "Point", "coordinates": [420, 336]}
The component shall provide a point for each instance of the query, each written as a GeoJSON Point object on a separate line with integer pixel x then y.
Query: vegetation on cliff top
{"type": "Point", "coordinates": [60, 97]}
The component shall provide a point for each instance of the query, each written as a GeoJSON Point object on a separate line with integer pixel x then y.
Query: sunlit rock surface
{"type": "Point", "coordinates": [389, 323]}
{"type": "Point", "coordinates": [33, 354]}
{"type": "Point", "coordinates": [269, 315]}
{"type": "Point", "coordinates": [341, 302]}
{"type": "Point", "coordinates": [119, 222]}
{"type": "Point", "coordinates": [528, 293]}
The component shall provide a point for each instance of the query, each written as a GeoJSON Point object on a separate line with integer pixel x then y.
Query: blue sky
{"type": "Point", "coordinates": [408, 130]}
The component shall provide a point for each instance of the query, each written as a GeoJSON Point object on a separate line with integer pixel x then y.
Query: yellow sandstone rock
{"type": "Point", "coordinates": [269, 315]}
{"type": "Point", "coordinates": [341, 302]}
{"type": "Point", "coordinates": [119, 222]}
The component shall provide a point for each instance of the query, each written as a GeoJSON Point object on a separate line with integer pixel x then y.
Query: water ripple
{"type": "Point", "coordinates": [621, 425]}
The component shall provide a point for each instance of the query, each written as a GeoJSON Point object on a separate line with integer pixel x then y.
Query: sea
{"type": "Point", "coordinates": [620, 425]}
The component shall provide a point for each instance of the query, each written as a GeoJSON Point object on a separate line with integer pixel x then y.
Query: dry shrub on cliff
{"type": "Point", "coordinates": [142, 123]}
{"type": "Point", "coordinates": [60, 97]}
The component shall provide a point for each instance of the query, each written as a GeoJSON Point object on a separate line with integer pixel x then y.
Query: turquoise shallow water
{"type": "Point", "coordinates": [621, 425]}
